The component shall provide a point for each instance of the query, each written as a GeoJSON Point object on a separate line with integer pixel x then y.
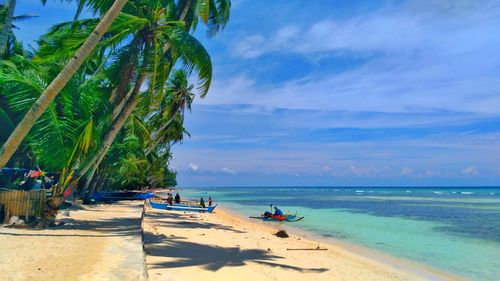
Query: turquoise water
{"type": "Point", "coordinates": [452, 229]}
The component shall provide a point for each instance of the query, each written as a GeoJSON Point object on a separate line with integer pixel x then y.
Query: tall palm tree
{"type": "Point", "coordinates": [8, 8]}
{"type": "Point", "coordinates": [216, 16]}
{"type": "Point", "coordinates": [8, 43]}
{"type": "Point", "coordinates": [69, 120]}
{"type": "Point", "coordinates": [165, 43]}
{"type": "Point", "coordinates": [179, 97]}
{"type": "Point", "coordinates": [48, 95]}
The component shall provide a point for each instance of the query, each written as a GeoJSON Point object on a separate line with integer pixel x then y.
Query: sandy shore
{"type": "Point", "coordinates": [94, 243]}
{"type": "Point", "coordinates": [104, 243]}
{"type": "Point", "coordinates": [222, 246]}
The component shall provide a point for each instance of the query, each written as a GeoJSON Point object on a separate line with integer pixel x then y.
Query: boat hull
{"type": "Point", "coordinates": [115, 196]}
{"type": "Point", "coordinates": [180, 207]}
{"type": "Point", "coordinates": [285, 218]}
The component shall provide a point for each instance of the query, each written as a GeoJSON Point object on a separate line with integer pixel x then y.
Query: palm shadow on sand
{"type": "Point", "coordinates": [212, 258]}
{"type": "Point", "coordinates": [184, 220]}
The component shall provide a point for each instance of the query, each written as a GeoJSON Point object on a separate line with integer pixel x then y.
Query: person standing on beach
{"type": "Point", "coordinates": [209, 201]}
{"type": "Point", "coordinates": [170, 199]}
{"type": "Point", "coordinates": [202, 202]}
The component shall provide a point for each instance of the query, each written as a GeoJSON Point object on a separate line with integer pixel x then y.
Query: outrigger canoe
{"type": "Point", "coordinates": [120, 195]}
{"type": "Point", "coordinates": [285, 217]}
{"type": "Point", "coordinates": [180, 207]}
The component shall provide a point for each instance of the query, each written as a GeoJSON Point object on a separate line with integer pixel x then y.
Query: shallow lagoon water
{"type": "Point", "coordinates": [452, 229]}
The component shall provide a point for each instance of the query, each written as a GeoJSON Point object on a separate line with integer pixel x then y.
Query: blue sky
{"type": "Point", "coordinates": [342, 93]}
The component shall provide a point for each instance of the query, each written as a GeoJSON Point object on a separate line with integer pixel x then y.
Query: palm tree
{"type": "Point", "coordinates": [8, 43]}
{"type": "Point", "coordinates": [7, 17]}
{"type": "Point", "coordinates": [179, 97]}
{"type": "Point", "coordinates": [168, 43]}
{"type": "Point", "coordinates": [8, 9]}
{"type": "Point", "coordinates": [48, 95]}
{"type": "Point", "coordinates": [69, 120]}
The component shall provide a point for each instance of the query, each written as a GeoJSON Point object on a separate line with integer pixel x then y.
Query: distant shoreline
{"type": "Point", "coordinates": [343, 186]}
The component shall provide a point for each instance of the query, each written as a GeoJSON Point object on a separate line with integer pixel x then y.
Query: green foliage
{"type": "Point", "coordinates": [148, 38]}
{"type": "Point", "coordinates": [67, 126]}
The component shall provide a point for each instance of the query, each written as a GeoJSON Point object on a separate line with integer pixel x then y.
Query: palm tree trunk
{"type": "Point", "coordinates": [23, 128]}
{"type": "Point", "coordinates": [165, 126]}
{"type": "Point", "coordinates": [122, 117]}
{"type": "Point", "coordinates": [10, 6]}
{"type": "Point", "coordinates": [122, 111]}
{"type": "Point", "coordinates": [127, 72]}
{"type": "Point", "coordinates": [185, 10]}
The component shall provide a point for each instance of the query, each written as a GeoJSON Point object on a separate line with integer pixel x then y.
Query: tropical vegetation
{"type": "Point", "coordinates": [102, 100]}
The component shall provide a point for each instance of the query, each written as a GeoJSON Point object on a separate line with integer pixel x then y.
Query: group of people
{"type": "Point", "coordinates": [171, 200]}
{"type": "Point", "coordinates": [202, 202]}
{"type": "Point", "coordinates": [177, 200]}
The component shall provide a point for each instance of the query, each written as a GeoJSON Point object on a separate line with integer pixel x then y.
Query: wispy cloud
{"type": "Point", "coordinates": [406, 171]}
{"type": "Point", "coordinates": [420, 56]}
{"type": "Point", "coordinates": [193, 167]}
{"type": "Point", "coordinates": [229, 171]}
{"type": "Point", "coordinates": [367, 92]}
{"type": "Point", "coordinates": [470, 171]}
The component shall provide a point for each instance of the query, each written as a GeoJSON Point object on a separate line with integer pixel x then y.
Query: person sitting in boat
{"type": "Point", "coordinates": [177, 198]}
{"type": "Point", "coordinates": [267, 214]}
{"type": "Point", "coordinates": [170, 199]}
{"type": "Point", "coordinates": [202, 202]}
{"type": "Point", "coordinates": [277, 212]}
{"type": "Point", "coordinates": [209, 201]}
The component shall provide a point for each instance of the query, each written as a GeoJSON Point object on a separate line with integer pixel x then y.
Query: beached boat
{"type": "Point", "coordinates": [180, 207]}
{"type": "Point", "coordinates": [120, 195]}
{"type": "Point", "coordinates": [285, 217]}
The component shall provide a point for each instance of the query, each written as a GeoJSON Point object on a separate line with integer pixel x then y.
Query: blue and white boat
{"type": "Point", "coordinates": [180, 207]}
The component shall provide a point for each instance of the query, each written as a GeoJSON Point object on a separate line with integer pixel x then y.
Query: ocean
{"type": "Point", "coordinates": [456, 230]}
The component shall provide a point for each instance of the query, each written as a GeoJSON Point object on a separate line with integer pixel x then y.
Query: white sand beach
{"type": "Point", "coordinates": [101, 242]}
{"type": "Point", "coordinates": [222, 246]}
{"type": "Point", "coordinates": [105, 242]}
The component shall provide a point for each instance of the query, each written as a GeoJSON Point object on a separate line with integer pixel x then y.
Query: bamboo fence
{"type": "Point", "coordinates": [23, 203]}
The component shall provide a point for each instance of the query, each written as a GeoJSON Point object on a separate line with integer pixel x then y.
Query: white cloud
{"type": "Point", "coordinates": [194, 167]}
{"type": "Point", "coordinates": [470, 171]}
{"type": "Point", "coordinates": [429, 173]}
{"type": "Point", "coordinates": [391, 29]}
{"type": "Point", "coordinates": [246, 48]}
{"type": "Point", "coordinates": [419, 56]}
{"type": "Point", "coordinates": [228, 171]}
{"type": "Point", "coordinates": [406, 171]}
{"type": "Point", "coordinates": [423, 72]}
{"type": "Point", "coordinates": [367, 171]}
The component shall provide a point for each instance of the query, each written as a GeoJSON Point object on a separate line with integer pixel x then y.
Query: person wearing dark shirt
{"type": "Point", "coordinates": [277, 212]}
{"type": "Point", "coordinates": [170, 199]}
{"type": "Point", "coordinates": [202, 202]}
{"type": "Point", "coordinates": [177, 198]}
{"type": "Point", "coordinates": [209, 201]}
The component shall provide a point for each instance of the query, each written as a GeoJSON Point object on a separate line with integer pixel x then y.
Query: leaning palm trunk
{"type": "Point", "coordinates": [23, 128]}
{"type": "Point", "coordinates": [185, 10]}
{"type": "Point", "coordinates": [123, 110]}
{"type": "Point", "coordinates": [10, 6]}
{"type": "Point", "coordinates": [118, 124]}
